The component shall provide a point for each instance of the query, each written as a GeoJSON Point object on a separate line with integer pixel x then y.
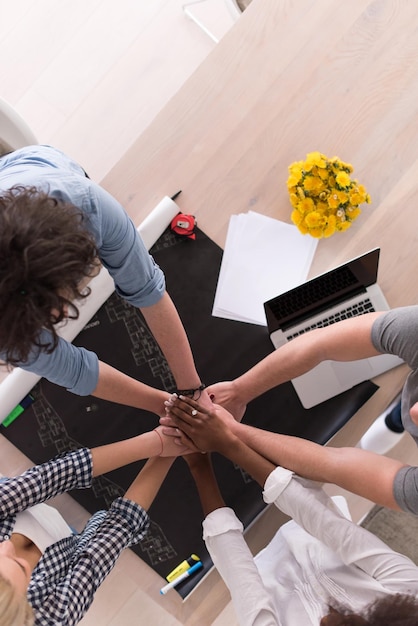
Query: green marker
{"type": "Point", "coordinates": [18, 410]}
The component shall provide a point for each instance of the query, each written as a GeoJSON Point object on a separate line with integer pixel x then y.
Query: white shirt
{"type": "Point", "coordinates": [43, 525]}
{"type": "Point", "coordinates": [318, 557]}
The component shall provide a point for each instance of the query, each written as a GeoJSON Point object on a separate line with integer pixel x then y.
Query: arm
{"type": "Point", "coordinates": [222, 532]}
{"type": "Point", "coordinates": [145, 487]}
{"type": "Point", "coordinates": [141, 282]}
{"type": "Point", "coordinates": [117, 387]}
{"type": "Point", "coordinates": [80, 371]}
{"type": "Point", "coordinates": [167, 328]}
{"type": "Point", "coordinates": [314, 511]}
{"type": "Point", "coordinates": [75, 470]}
{"type": "Point", "coordinates": [200, 466]}
{"type": "Point", "coordinates": [362, 472]}
{"type": "Point", "coordinates": [344, 341]}
{"type": "Point", "coordinates": [106, 535]}
{"type": "Point", "coordinates": [351, 468]}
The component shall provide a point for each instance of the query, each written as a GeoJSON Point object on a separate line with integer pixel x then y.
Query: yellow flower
{"type": "Point", "coordinates": [293, 199]}
{"type": "Point", "coordinates": [296, 217]}
{"type": "Point", "coordinates": [341, 226]}
{"type": "Point", "coordinates": [342, 179]}
{"type": "Point", "coordinates": [330, 227]}
{"type": "Point", "coordinates": [324, 198]}
{"type": "Point", "coordinates": [306, 205]}
{"type": "Point", "coordinates": [352, 212]}
{"type": "Point", "coordinates": [333, 199]}
{"type": "Point", "coordinates": [294, 178]}
{"type": "Point", "coordinates": [323, 173]}
{"type": "Point", "coordinates": [302, 228]}
{"type": "Point", "coordinates": [322, 207]}
{"type": "Point", "coordinates": [314, 219]}
{"type": "Point", "coordinates": [314, 158]}
{"type": "Point", "coordinates": [316, 232]}
{"type": "Point", "coordinates": [314, 184]}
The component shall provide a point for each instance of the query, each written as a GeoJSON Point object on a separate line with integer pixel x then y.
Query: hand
{"type": "Point", "coordinates": [171, 446]}
{"type": "Point", "coordinates": [224, 394]}
{"type": "Point", "coordinates": [207, 429]}
{"type": "Point", "coordinates": [205, 400]}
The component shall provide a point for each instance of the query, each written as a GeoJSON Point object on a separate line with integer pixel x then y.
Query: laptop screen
{"type": "Point", "coordinates": [322, 292]}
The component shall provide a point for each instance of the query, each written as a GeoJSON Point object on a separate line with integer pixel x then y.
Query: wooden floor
{"type": "Point", "coordinates": [88, 76]}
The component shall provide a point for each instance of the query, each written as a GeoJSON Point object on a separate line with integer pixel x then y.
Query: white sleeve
{"type": "Point", "coordinates": [222, 532]}
{"type": "Point", "coordinates": [308, 504]}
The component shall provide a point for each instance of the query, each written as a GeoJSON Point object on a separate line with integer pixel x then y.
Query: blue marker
{"type": "Point", "coordinates": [180, 578]}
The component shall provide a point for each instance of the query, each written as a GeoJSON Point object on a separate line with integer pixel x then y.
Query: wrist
{"type": "Point", "coordinates": [228, 444]}
{"type": "Point", "coordinates": [240, 390]}
{"type": "Point", "coordinates": [194, 393]}
{"type": "Point", "coordinates": [160, 442]}
{"type": "Point", "coordinates": [199, 464]}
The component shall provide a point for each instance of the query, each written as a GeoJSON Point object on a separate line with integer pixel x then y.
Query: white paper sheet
{"type": "Point", "coordinates": [263, 257]}
{"type": "Point", "coordinates": [18, 383]}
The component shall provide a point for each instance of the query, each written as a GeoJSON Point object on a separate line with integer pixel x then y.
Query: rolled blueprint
{"type": "Point", "coordinates": [18, 383]}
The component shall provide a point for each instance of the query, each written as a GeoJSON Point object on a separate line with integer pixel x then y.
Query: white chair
{"type": "Point", "coordinates": [235, 7]}
{"type": "Point", "coordinates": [14, 131]}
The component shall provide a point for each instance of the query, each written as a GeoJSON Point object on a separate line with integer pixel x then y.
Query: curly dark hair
{"type": "Point", "coordinates": [45, 253]}
{"type": "Point", "coordinates": [391, 610]}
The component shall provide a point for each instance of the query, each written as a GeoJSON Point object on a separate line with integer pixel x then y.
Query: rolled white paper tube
{"type": "Point", "coordinates": [18, 383]}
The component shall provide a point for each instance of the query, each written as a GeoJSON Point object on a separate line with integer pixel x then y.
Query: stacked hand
{"type": "Point", "coordinates": [197, 427]}
{"type": "Point", "coordinates": [171, 447]}
{"type": "Point", "coordinates": [225, 395]}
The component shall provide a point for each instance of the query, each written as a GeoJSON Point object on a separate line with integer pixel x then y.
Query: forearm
{"type": "Point", "coordinates": [42, 482]}
{"type": "Point", "coordinates": [117, 387]}
{"type": "Point", "coordinates": [146, 485]}
{"type": "Point", "coordinates": [206, 484]}
{"type": "Point", "coordinates": [253, 604]}
{"type": "Point", "coordinates": [359, 471]}
{"type": "Point", "coordinates": [167, 328]}
{"type": "Point", "coordinates": [308, 505]}
{"type": "Point", "coordinates": [344, 341]}
{"type": "Point", "coordinates": [239, 452]}
{"type": "Point", "coordinates": [114, 455]}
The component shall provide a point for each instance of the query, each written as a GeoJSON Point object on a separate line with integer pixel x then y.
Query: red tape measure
{"type": "Point", "coordinates": [184, 225]}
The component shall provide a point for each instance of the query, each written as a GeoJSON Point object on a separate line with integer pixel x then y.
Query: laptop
{"type": "Point", "coordinates": [346, 291]}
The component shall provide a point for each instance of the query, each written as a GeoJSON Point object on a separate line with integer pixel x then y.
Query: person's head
{"type": "Point", "coordinates": [46, 254]}
{"type": "Point", "coordinates": [15, 575]}
{"type": "Point", "coordinates": [390, 610]}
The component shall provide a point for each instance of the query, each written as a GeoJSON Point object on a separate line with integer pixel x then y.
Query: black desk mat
{"type": "Point", "coordinates": [223, 349]}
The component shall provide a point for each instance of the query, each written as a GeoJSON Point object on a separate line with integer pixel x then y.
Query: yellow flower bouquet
{"type": "Point", "coordinates": [324, 198]}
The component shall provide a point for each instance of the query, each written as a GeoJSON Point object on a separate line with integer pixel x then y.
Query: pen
{"type": "Point", "coordinates": [179, 579]}
{"type": "Point", "coordinates": [184, 565]}
{"type": "Point", "coordinates": [176, 195]}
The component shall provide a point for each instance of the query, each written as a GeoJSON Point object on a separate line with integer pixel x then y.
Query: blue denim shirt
{"type": "Point", "coordinates": [138, 279]}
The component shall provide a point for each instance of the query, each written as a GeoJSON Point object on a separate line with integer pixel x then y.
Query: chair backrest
{"type": "Point", "coordinates": [14, 131]}
{"type": "Point", "coordinates": [234, 8]}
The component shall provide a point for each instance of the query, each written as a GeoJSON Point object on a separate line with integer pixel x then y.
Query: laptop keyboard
{"type": "Point", "coordinates": [359, 308]}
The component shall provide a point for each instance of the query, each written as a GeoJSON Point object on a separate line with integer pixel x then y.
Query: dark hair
{"type": "Point", "coordinates": [391, 610]}
{"type": "Point", "coordinates": [45, 252]}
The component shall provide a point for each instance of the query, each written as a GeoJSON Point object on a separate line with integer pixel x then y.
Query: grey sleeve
{"type": "Point", "coordinates": [396, 332]}
{"type": "Point", "coordinates": [405, 489]}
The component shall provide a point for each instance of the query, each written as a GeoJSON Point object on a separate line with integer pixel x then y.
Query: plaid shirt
{"type": "Point", "coordinates": [69, 572]}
